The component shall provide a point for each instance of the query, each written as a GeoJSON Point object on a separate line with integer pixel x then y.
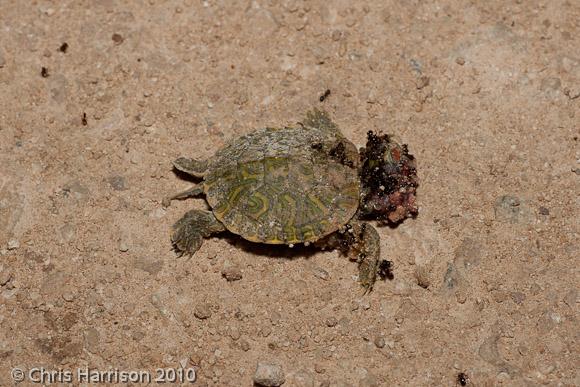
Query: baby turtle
{"type": "Point", "coordinates": [301, 184]}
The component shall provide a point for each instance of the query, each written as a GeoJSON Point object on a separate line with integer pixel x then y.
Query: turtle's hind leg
{"type": "Point", "coordinates": [369, 254]}
{"type": "Point", "coordinates": [189, 231]}
{"type": "Point", "coordinates": [188, 193]}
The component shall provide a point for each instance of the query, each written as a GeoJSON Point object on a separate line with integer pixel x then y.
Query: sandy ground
{"type": "Point", "coordinates": [486, 94]}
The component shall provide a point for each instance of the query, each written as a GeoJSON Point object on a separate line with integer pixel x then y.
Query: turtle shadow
{"type": "Point", "coordinates": [186, 176]}
{"type": "Point", "coordinates": [384, 223]}
{"type": "Point", "coordinates": [270, 250]}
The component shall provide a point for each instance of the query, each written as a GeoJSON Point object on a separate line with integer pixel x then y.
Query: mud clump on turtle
{"type": "Point", "coordinates": [389, 180]}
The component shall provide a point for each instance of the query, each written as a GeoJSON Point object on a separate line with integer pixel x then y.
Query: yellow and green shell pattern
{"type": "Point", "coordinates": [284, 186]}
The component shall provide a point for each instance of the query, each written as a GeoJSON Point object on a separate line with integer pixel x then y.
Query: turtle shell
{"type": "Point", "coordinates": [284, 186]}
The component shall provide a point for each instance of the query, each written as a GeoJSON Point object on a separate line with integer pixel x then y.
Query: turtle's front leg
{"type": "Point", "coordinates": [189, 231]}
{"type": "Point", "coordinates": [361, 243]}
{"type": "Point", "coordinates": [192, 167]}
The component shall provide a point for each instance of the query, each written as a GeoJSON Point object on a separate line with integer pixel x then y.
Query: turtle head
{"type": "Point", "coordinates": [388, 180]}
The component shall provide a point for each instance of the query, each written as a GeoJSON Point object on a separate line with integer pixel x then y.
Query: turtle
{"type": "Point", "coordinates": [301, 184]}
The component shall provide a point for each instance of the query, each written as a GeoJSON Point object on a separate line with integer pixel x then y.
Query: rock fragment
{"type": "Point", "coordinates": [269, 375]}
{"type": "Point", "coordinates": [511, 209]}
{"type": "Point", "coordinates": [117, 182]}
{"type": "Point", "coordinates": [148, 265]}
{"type": "Point", "coordinates": [202, 311]}
{"type": "Point", "coordinates": [13, 244]}
{"type": "Point", "coordinates": [379, 341]}
{"type": "Point", "coordinates": [231, 272]}
{"type": "Point", "coordinates": [321, 273]}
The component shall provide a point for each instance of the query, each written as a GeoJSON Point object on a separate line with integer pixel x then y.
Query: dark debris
{"type": "Point", "coordinates": [386, 270]}
{"type": "Point", "coordinates": [325, 95]}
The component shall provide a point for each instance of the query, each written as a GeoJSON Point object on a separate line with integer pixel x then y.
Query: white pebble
{"type": "Point", "coordinates": [13, 244]}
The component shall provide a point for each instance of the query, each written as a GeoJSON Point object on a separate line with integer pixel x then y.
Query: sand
{"type": "Point", "coordinates": [485, 94]}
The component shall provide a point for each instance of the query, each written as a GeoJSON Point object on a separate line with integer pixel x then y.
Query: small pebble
{"type": "Point", "coordinates": [423, 82]}
{"type": "Point", "coordinates": [117, 38]}
{"type": "Point", "coordinates": [48, 11]}
{"type": "Point", "coordinates": [550, 84]}
{"type": "Point", "coordinates": [571, 298]}
{"type": "Point", "coordinates": [234, 333]}
{"type": "Point", "coordinates": [123, 247]}
{"type": "Point", "coordinates": [68, 297]}
{"type": "Point", "coordinates": [91, 337]}
{"type": "Point", "coordinates": [331, 322]}
{"type": "Point", "coordinates": [460, 61]}
{"type": "Point", "coordinates": [511, 209]}
{"type": "Point", "coordinates": [195, 358]}
{"type": "Point", "coordinates": [231, 272]}
{"type": "Point", "coordinates": [319, 368]}
{"type": "Point", "coordinates": [544, 211]}
{"type": "Point", "coordinates": [365, 304]}
{"type": "Point", "coordinates": [369, 381]}
{"type": "Point", "coordinates": [149, 265]}
{"type": "Point", "coordinates": [13, 244]}
{"type": "Point", "coordinates": [117, 182]}
{"type": "Point", "coordinates": [76, 190]}
{"type": "Point", "coordinates": [301, 378]}
{"type": "Point", "coordinates": [336, 35]}
{"type": "Point", "coordinates": [354, 306]}
{"type": "Point", "coordinates": [5, 277]}
{"type": "Point", "coordinates": [503, 376]}
{"type": "Point", "coordinates": [518, 297]}
{"type": "Point", "coordinates": [202, 311]}
{"type": "Point", "coordinates": [422, 277]}
{"type": "Point", "coordinates": [269, 375]}
{"type": "Point", "coordinates": [379, 341]}
{"type": "Point", "coordinates": [67, 232]}
{"type": "Point", "coordinates": [451, 278]}
{"type": "Point", "coordinates": [572, 93]}
{"type": "Point", "coordinates": [321, 273]}
{"type": "Point", "coordinates": [461, 296]}
{"type": "Point", "coordinates": [275, 318]}
{"type": "Point", "coordinates": [244, 345]}
{"type": "Point", "coordinates": [469, 254]}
